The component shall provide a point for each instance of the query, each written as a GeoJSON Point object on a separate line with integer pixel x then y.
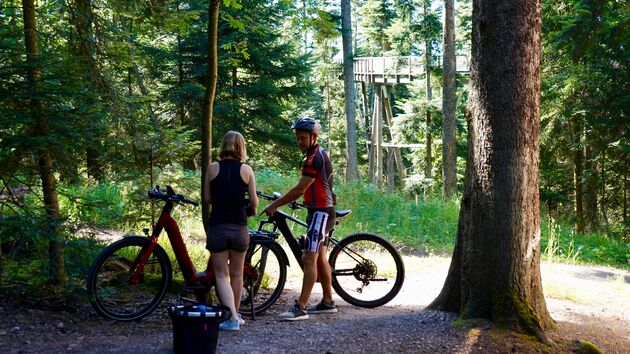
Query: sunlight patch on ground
{"type": "Point", "coordinates": [587, 285]}
{"type": "Point", "coordinates": [472, 337]}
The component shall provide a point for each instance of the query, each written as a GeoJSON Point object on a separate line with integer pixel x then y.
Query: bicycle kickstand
{"type": "Point", "coordinates": [251, 302]}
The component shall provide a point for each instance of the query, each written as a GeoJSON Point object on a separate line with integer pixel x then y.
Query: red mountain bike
{"type": "Point", "coordinates": [130, 277]}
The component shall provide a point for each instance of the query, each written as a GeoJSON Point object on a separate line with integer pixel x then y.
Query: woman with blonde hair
{"type": "Point", "coordinates": [227, 182]}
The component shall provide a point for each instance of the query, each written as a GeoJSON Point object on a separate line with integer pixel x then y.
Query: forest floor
{"type": "Point", "coordinates": [587, 303]}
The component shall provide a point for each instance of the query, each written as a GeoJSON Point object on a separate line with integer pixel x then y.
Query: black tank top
{"type": "Point", "coordinates": [228, 190]}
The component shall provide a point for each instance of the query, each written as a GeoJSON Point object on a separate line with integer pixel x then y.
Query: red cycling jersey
{"type": "Point", "coordinates": [317, 165]}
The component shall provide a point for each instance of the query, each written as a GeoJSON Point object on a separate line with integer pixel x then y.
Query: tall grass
{"type": "Point", "coordinates": [560, 242]}
{"type": "Point", "coordinates": [430, 224]}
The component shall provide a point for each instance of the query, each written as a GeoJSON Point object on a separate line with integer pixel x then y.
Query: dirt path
{"type": "Point", "coordinates": [587, 303]}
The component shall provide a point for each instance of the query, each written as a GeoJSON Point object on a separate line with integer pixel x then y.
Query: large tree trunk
{"type": "Point", "coordinates": [366, 117]}
{"type": "Point", "coordinates": [352, 168]}
{"type": "Point", "coordinates": [449, 129]}
{"type": "Point", "coordinates": [591, 218]}
{"type": "Point", "coordinates": [188, 162]}
{"type": "Point", "coordinates": [208, 98]}
{"type": "Point", "coordinates": [82, 17]}
{"type": "Point", "coordinates": [625, 199]}
{"type": "Point", "coordinates": [57, 269]}
{"type": "Point", "coordinates": [329, 114]}
{"type": "Point", "coordinates": [428, 158]}
{"type": "Point", "coordinates": [495, 271]}
{"type": "Point", "coordinates": [577, 174]}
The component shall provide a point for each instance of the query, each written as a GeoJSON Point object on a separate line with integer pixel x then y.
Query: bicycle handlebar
{"type": "Point", "coordinates": [169, 195]}
{"type": "Point", "coordinates": [295, 205]}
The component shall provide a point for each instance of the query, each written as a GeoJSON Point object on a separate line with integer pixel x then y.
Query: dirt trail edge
{"type": "Point", "coordinates": [588, 303]}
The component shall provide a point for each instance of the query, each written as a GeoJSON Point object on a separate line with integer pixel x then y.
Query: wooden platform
{"type": "Point", "coordinates": [396, 70]}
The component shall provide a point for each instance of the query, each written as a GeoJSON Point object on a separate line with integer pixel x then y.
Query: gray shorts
{"type": "Point", "coordinates": [224, 237]}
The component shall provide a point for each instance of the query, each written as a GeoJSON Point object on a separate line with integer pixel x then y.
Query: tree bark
{"type": "Point", "coordinates": [366, 109]}
{"type": "Point", "coordinates": [428, 159]}
{"type": "Point", "coordinates": [376, 116]}
{"type": "Point", "coordinates": [577, 174]}
{"type": "Point", "coordinates": [590, 182]}
{"type": "Point", "coordinates": [188, 161]}
{"type": "Point", "coordinates": [208, 98]}
{"type": "Point", "coordinates": [57, 270]}
{"type": "Point", "coordinates": [449, 129]}
{"type": "Point", "coordinates": [352, 168]}
{"type": "Point", "coordinates": [328, 114]}
{"type": "Point", "coordinates": [135, 69]}
{"type": "Point", "coordinates": [625, 198]}
{"type": "Point", "coordinates": [82, 16]}
{"type": "Point", "coordinates": [495, 270]}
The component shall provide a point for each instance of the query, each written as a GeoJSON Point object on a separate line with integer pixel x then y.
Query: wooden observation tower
{"type": "Point", "coordinates": [381, 72]}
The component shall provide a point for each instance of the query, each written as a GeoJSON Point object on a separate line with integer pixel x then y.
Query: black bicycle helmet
{"type": "Point", "coordinates": [306, 123]}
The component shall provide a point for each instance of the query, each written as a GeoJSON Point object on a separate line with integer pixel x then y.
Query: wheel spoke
{"type": "Point", "coordinates": [367, 270]}
{"type": "Point", "coordinates": [264, 277]}
{"type": "Point", "coordinates": [111, 292]}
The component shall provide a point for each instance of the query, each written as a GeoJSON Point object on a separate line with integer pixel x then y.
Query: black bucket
{"type": "Point", "coordinates": [196, 327]}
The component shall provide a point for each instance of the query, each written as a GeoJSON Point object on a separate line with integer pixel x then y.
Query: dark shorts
{"type": "Point", "coordinates": [320, 223]}
{"type": "Point", "coordinates": [224, 237]}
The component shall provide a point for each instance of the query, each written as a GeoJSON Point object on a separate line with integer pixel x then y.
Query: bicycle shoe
{"type": "Point", "coordinates": [295, 313]}
{"type": "Point", "coordinates": [322, 307]}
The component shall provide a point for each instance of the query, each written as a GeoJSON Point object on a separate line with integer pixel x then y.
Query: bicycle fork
{"type": "Point", "coordinates": [140, 261]}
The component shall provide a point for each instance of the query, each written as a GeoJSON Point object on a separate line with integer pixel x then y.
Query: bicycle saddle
{"type": "Point", "coordinates": [342, 213]}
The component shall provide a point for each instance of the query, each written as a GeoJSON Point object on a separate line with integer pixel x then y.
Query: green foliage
{"type": "Point", "coordinates": [429, 224]}
{"type": "Point", "coordinates": [560, 242]}
{"type": "Point", "coordinates": [585, 105]}
{"type": "Point", "coordinates": [95, 206]}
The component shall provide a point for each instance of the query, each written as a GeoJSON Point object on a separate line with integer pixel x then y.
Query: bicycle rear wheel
{"type": "Point", "coordinates": [367, 270]}
{"type": "Point", "coordinates": [110, 287]}
{"type": "Point", "coordinates": [264, 276]}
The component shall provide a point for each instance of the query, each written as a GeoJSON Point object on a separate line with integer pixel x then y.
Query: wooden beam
{"type": "Point", "coordinates": [390, 118]}
{"type": "Point", "coordinates": [392, 145]}
{"type": "Point", "coordinates": [372, 151]}
{"type": "Point", "coordinates": [379, 136]}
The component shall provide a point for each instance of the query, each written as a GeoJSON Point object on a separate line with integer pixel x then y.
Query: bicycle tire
{"type": "Point", "coordinates": [267, 259]}
{"type": "Point", "coordinates": [109, 291]}
{"type": "Point", "coordinates": [363, 261]}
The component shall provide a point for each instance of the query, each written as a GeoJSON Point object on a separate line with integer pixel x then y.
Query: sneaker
{"type": "Point", "coordinates": [241, 321]}
{"type": "Point", "coordinates": [295, 313]}
{"type": "Point", "coordinates": [322, 307]}
{"type": "Point", "coordinates": [228, 325]}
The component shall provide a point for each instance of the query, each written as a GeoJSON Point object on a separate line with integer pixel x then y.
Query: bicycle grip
{"type": "Point", "coordinates": [189, 201]}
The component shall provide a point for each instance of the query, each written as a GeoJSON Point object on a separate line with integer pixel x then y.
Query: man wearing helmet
{"type": "Point", "coordinates": [316, 186]}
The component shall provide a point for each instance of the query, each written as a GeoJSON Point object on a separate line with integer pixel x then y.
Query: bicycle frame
{"type": "Point", "coordinates": [168, 223]}
{"type": "Point", "coordinates": [279, 220]}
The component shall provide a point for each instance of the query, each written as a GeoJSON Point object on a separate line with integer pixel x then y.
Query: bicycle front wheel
{"type": "Point", "coordinates": [264, 276]}
{"type": "Point", "coordinates": [367, 271]}
{"type": "Point", "coordinates": [114, 289]}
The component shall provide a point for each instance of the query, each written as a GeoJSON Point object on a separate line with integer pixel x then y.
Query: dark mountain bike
{"type": "Point", "coordinates": [367, 271]}
{"type": "Point", "coordinates": [130, 277]}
